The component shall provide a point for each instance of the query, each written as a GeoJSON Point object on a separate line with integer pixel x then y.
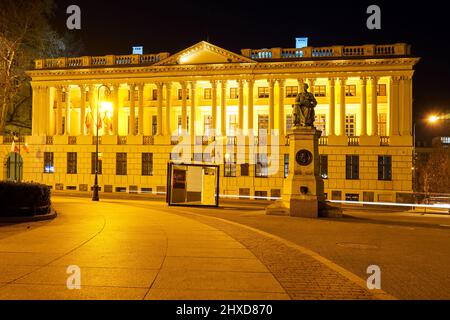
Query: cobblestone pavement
{"type": "Point", "coordinates": [414, 255]}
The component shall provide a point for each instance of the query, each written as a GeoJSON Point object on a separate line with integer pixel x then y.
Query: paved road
{"type": "Point", "coordinates": [145, 250]}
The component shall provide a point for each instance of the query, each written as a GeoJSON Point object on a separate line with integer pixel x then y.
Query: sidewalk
{"type": "Point", "coordinates": [146, 251]}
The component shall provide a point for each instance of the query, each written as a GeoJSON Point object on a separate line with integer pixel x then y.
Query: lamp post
{"type": "Point", "coordinates": [95, 196]}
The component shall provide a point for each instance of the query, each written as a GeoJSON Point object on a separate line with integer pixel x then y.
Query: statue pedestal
{"type": "Point", "coordinates": [303, 189]}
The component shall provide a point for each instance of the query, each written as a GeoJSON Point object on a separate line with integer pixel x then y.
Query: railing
{"type": "Point", "coordinates": [121, 140]}
{"type": "Point", "coordinates": [148, 140]}
{"type": "Point", "coordinates": [398, 49]}
{"type": "Point", "coordinates": [94, 140]}
{"type": "Point", "coordinates": [323, 141]}
{"type": "Point", "coordinates": [110, 60]}
{"type": "Point", "coordinates": [353, 141]}
{"type": "Point", "coordinates": [174, 140]}
{"type": "Point", "coordinates": [261, 140]}
{"type": "Point", "coordinates": [72, 140]}
{"type": "Point", "coordinates": [231, 140]}
{"type": "Point", "coordinates": [49, 140]}
{"type": "Point", "coordinates": [384, 141]}
{"type": "Point", "coordinates": [10, 139]}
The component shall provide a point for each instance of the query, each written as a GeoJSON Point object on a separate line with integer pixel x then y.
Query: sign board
{"type": "Point", "coordinates": [301, 42]}
{"type": "Point", "coordinates": [138, 50]}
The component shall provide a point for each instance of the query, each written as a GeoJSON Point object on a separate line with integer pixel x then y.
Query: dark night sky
{"type": "Point", "coordinates": [113, 27]}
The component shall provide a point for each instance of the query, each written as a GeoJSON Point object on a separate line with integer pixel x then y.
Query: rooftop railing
{"type": "Point", "coordinates": [110, 60]}
{"type": "Point", "coordinates": [398, 49]}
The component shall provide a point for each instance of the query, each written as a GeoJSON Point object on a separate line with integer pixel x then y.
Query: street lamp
{"type": "Point", "coordinates": [95, 196]}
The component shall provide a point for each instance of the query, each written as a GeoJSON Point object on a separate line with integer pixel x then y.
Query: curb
{"type": "Point", "coordinates": [50, 216]}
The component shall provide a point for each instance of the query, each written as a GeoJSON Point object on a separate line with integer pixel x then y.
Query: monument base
{"type": "Point", "coordinates": [304, 209]}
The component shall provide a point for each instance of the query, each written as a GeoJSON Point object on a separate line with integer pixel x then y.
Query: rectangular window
{"type": "Point", "coordinates": [147, 164]}
{"type": "Point", "coordinates": [155, 94]}
{"type": "Point", "coordinates": [381, 90]}
{"type": "Point", "coordinates": [233, 124]}
{"type": "Point", "coordinates": [71, 162]}
{"type": "Point", "coordinates": [207, 125]}
{"type": "Point", "coordinates": [121, 164]}
{"type": "Point", "coordinates": [154, 125]}
{"type": "Point", "coordinates": [350, 125]}
{"type": "Point", "coordinates": [180, 94]}
{"type": "Point", "coordinates": [324, 166]}
{"type": "Point", "coordinates": [230, 165]}
{"type": "Point", "coordinates": [320, 123]}
{"type": "Point", "coordinates": [286, 165]}
{"type": "Point", "coordinates": [136, 95]}
{"type": "Point", "coordinates": [320, 91]}
{"type": "Point", "coordinates": [263, 92]}
{"type": "Point", "coordinates": [234, 94]}
{"type": "Point", "coordinates": [385, 168]}
{"type": "Point", "coordinates": [245, 170]}
{"type": "Point", "coordinates": [291, 91]}
{"type": "Point", "coordinates": [262, 165]}
{"type": "Point", "coordinates": [99, 163]}
{"type": "Point", "coordinates": [49, 162]}
{"type": "Point", "coordinates": [207, 94]}
{"type": "Point", "coordinates": [352, 167]}
{"type": "Point", "coordinates": [63, 96]}
{"type": "Point", "coordinates": [352, 197]}
{"type": "Point", "coordinates": [350, 90]}
{"type": "Point", "coordinates": [263, 124]}
{"type": "Point", "coordinates": [289, 122]}
{"type": "Point", "coordinates": [382, 124]}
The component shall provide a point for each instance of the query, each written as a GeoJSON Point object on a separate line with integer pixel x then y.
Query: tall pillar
{"type": "Point", "coordinates": [132, 123]}
{"type": "Point", "coordinates": [250, 84]}
{"type": "Point", "coordinates": [214, 106]}
{"type": "Point", "coordinates": [241, 106]}
{"type": "Point", "coordinates": [281, 121]}
{"type": "Point", "coordinates": [363, 87]}
{"type": "Point", "coordinates": [82, 108]}
{"type": "Point", "coordinates": [407, 106]}
{"type": "Point", "coordinates": [167, 129]}
{"type": "Point", "coordinates": [116, 109]}
{"type": "Point", "coordinates": [40, 114]}
{"type": "Point", "coordinates": [140, 108]}
{"type": "Point", "coordinates": [223, 109]}
{"type": "Point", "coordinates": [342, 82]}
{"type": "Point", "coordinates": [271, 106]}
{"type": "Point", "coordinates": [184, 107]}
{"type": "Point", "coordinates": [332, 108]}
{"type": "Point", "coordinates": [193, 107]}
{"type": "Point", "coordinates": [159, 131]}
{"type": "Point", "coordinates": [311, 84]}
{"type": "Point", "coordinates": [68, 110]}
{"type": "Point", "coordinates": [394, 106]}
{"type": "Point", "coordinates": [374, 109]}
{"type": "Point", "coordinates": [58, 120]}
{"type": "Point", "coordinates": [93, 108]}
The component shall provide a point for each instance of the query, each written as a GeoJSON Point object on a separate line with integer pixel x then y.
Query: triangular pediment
{"type": "Point", "coordinates": [203, 53]}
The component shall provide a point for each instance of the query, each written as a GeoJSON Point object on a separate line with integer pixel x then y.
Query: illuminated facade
{"type": "Point", "coordinates": [207, 104]}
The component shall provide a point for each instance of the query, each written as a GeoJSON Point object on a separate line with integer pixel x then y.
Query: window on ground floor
{"type": "Point", "coordinates": [147, 164]}
{"type": "Point", "coordinates": [352, 167]}
{"type": "Point", "coordinates": [71, 162]}
{"type": "Point", "coordinates": [99, 162]}
{"type": "Point", "coordinates": [385, 168]}
{"type": "Point", "coordinates": [121, 163]}
{"type": "Point", "coordinates": [49, 162]}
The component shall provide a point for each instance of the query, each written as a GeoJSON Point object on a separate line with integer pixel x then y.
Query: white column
{"type": "Point", "coordinates": [363, 87]}
{"type": "Point", "coordinates": [131, 129]}
{"type": "Point", "coordinates": [250, 84]}
{"type": "Point", "coordinates": [374, 110]}
{"type": "Point", "coordinates": [394, 106]}
{"type": "Point", "coordinates": [82, 108]}
{"type": "Point", "coordinates": [184, 106]}
{"type": "Point", "coordinates": [58, 123]}
{"type": "Point", "coordinates": [223, 108]}
{"type": "Point", "coordinates": [332, 108]}
{"type": "Point", "coordinates": [407, 106]}
{"type": "Point", "coordinates": [68, 110]}
{"type": "Point", "coordinates": [192, 115]}
{"type": "Point", "coordinates": [141, 108]}
{"type": "Point", "coordinates": [311, 84]}
{"type": "Point", "coordinates": [168, 106]}
{"type": "Point", "coordinates": [281, 121]}
{"type": "Point", "coordinates": [271, 106]}
{"type": "Point", "coordinates": [116, 109]}
{"type": "Point", "coordinates": [159, 128]}
{"type": "Point", "coordinates": [342, 110]}
{"type": "Point", "coordinates": [93, 107]}
{"type": "Point", "coordinates": [241, 105]}
{"type": "Point", "coordinates": [214, 106]}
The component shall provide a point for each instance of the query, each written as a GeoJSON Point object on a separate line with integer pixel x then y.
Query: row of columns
{"type": "Point", "coordinates": [400, 98]}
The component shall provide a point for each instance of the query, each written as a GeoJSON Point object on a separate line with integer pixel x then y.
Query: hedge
{"type": "Point", "coordinates": [24, 199]}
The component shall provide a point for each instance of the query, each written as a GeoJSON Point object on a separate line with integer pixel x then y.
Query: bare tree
{"type": "Point", "coordinates": [25, 35]}
{"type": "Point", "coordinates": [435, 174]}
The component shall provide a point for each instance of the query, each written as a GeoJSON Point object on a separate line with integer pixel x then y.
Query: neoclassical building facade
{"type": "Point", "coordinates": [206, 104]}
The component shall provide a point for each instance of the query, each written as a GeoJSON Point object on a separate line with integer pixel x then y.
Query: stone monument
{"type": "Point", "coordinates": [303, 190]}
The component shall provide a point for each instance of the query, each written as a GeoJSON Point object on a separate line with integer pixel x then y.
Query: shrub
{"type": "Point", "coordinates": [24, 199]}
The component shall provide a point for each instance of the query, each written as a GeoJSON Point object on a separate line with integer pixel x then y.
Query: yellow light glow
{"type": "Point", "coordinates": [184, 59]}
{"type": "Point", "coordinates": [433, 119]}
{"type": "Point", "coordinates": [106, 107]}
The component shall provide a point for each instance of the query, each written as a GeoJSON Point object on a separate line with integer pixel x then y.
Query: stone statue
{"type": "Point", "coordinates": [303, 109]}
